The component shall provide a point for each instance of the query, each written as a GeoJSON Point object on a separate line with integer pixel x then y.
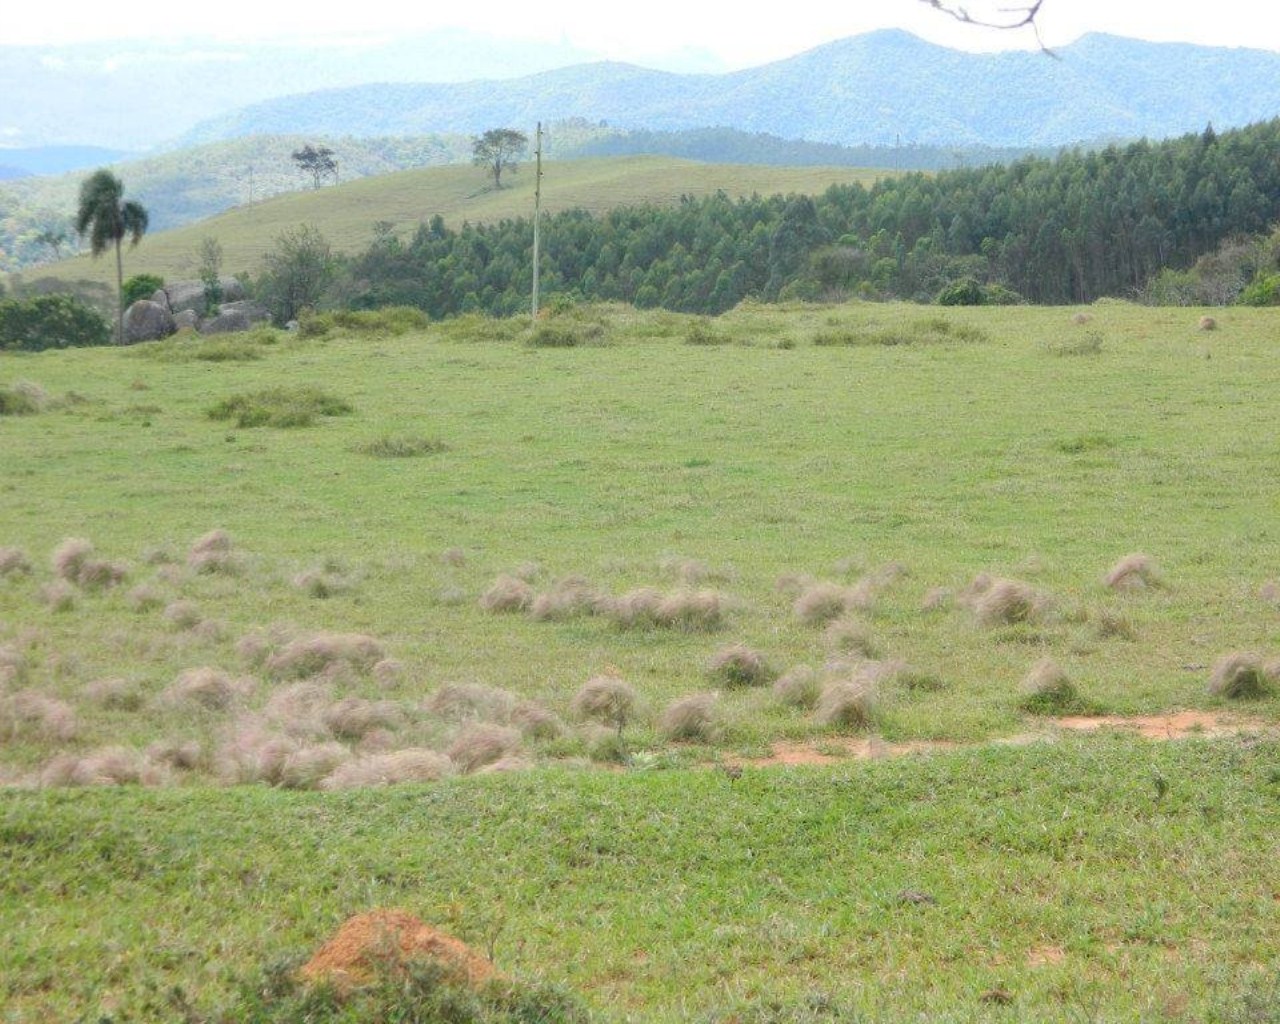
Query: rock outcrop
{"type": "Point", "coordinates": [147, 321]}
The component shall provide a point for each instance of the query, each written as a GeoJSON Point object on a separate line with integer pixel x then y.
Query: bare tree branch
{"type": "Point", "coordinates": [1005, 18]}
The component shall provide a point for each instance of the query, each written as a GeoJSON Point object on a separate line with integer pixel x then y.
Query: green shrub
{"type": "Point", "coordinates": [561, 334]}
{"type": "Point", "coordinates": [16, 401]}
{"type": "Point", "coordinates": [141, 286]}
{"type": "Point", "coordinates": [1263, 290]}
{"type": "Point", "coordinates": [703, 333]}
{"type": "Point", "coordinates": [965, 292]}
{"type": "Point", "coordinates": [50, 321]}
{"type": "Point", "coordinates": [280, 407]}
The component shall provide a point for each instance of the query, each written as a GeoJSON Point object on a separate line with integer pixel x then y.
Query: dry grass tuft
{"type": "Point", "coordinates": [536, 723]}
{"type": "Point", "coordinates": [109, 766]}
{"type": "Point", "coordinates": [143, 598]}
{"type": "Point", "coordinates": [210, 689]}
{"type": "Point", "coordinates": [936, 599]}
{"type": "Point", "coordinates": [253, 753]}
{"type": "Point", "coordinates": [1081, 318]}
{"type": "Point", "coordinates": [395, 768]}
{"type": "Point", "coordinates": [1133, 572]}
{"type": "Point", "coordinates": [483, 743]}
{"type": "Point", "coordinates": [113, 694]}
{"type": "Point", "coordinates": [388, 671]}
{"type": "Point", "coordinates": [1238, 675]}
{"type": "Point", "coordinates": [96, 574]}
{"type": "Point", "coordinates": [14, 562]}
{"type": "Point", "coordinates": [308, 766]}
{"type": "Point", "coordinates": [606, 699]}
{"type": "Point", "coordinates": [850, 636]}
{"type": "Point", "coordinates": [183, 614]}
{"type": "Point", "coordinates": [183, 755]}
{"type": "Point", "coordinates": [258, 644]}
{"type": "Point", "coordinates": [800, 687]}
{"type": "Point", "coordinates": [847, 704]}
{"type": "Point", "coordinates": [352, 718]}
{"type": "Point", "coordinates": [1270, 592]}
{"type": "Point", "coordinates": [567, 599]}
{"type": "Point", "coordinates": [1208, 323]}
{"type": "Point", "coordinates": [325, 653]}
{"type": "Point", "coordinates": [507, 594]}
{"type": "Point", "coordinates": [453, 556]}
{"type": "Point", "coordinates": [1114, 625]}
{"type": "Point", "coordinates": [793, 583]}
{"type": "Point", "coordinates": [819, 603]}
{"type": "Point", "coordinates": [694, 718]}
{"type": "Point", "coordinates": [69, 558]}
{"type": "Point", "coordinates": [29, 712]}
{"type": "Point", "coordinates": [321, 583]}
{"type": "Point", "coordinates": [460, 702]}
{"type": "Point", "coordinates": [691, 610]}
{"type": "Point", "coordinates": [1046, 689]}
{"type": "Point", "coordinates": [1009, 602]}
{"type": "Point", "coordinates": [298, 709]}
{"type": "Point", "coordinates": [738, 665]}
{"type": "Point", "coordinates": [635, 609]}
{"type": "Point", "coordinates": [1271, 671]}
{"type": "Point", "coordinates": [13, 667]}
{"type": "Point", "coordinates": [212, 553]}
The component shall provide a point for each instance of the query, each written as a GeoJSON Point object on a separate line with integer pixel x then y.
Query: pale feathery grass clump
{"type": "Point", "coordinates": [507, 594]}
{"type": "Point", "coordinates": [1270, 592]}
{"type": "Point", "coordinates": [1047, 689]}
{"type": "Point", "coordinates": [143, 598]}
{"type": "Point", "coordinates": [451, 594]}
{"type": "Point", "coordinates": [848, 703]}
{"type": "Point", "coordinates": [1208, 323]}
{"type": "Point", "coordinates": [70, 556]}
{"type": "Point", "coordinates": [821, 602]}
{"type": "Point", "coordinates": [461, 702]}
{"type": "Point", "coordinates": [209, 629]}
{"type": "Point", "coordinates": [108, 766]}
{"type": "Point", "coordinates": [936, 599]}
{"type": "Point", "coordinates": [1007, 602]}
{"type": "Point", "coordinates": [510, 763]}
{"type": "Point", "coordinates": [252, 753]}
{"type": "Point", "coordinates": [606, 699]}
{"type": "Point", "coordinates": [298, 709]}
{"type": "Point", "coordinates": [255, 646]}
{"type": "Point", "coordinates": [414, 764]}
{"type": "Point", "coordinates": [568, 598]}
{"type": "Point", "coordinates": [1134, 572]}
{"type": "Point", "coordinates": [13, 667]}
{"type": "Point", "coordinates": [1114, 625]}
{"type": "Point", "coordinates": [353, 718]}
{"type": "Point", "coordinates": [635, 609]}
{"type": "Point", "coordinates": [180, 755]}
{"type": "Point", "coordinates": [183, 614]}
{"type": "Point", "coordinates": [738, 665]}
{"type": "Point", "coordinates": [1239, 675]}
{"type": "Point", "coordinates": [604, 745]}
{"type": "Point", "coordinates": [848, 635]}
{"type": "Point", "coordinates": [325, 654]}
{"type": "Point", "coordinates": [482, 744]}
{"type": "Point", "coordinates": [14, 562]}
{"type": "Point", "coordinates": [798, 687]}
{"type": "Point", "coordinates": [456, 557]}
{"type": "Point", "coordinates": [388, 671]}
{"type": "Point", "coordinates": [31, 713]}
{"type": "Point", "coordinates": [206, 688]}
{"type": "Point", "coordinates": [1271, 671]}
{"type": "Point", "coordinates": [98, 574]}
{"type": "Point", "coordinates": [691, 610]}
{"type": "Point", "coordinates": [527, 571]}
{"type": "Point", "coordinates": [322, 583]}
{"type": "Point", "coordinates": [694, 718]}
{"type": "Point", "coordinates": [213, 552]}
{"type": "Point", "coordinates": [113, 694]}
{"type": "Point", "coordinates": [792, 584]}
{"type": "Point", "coordinates": [536, 722]}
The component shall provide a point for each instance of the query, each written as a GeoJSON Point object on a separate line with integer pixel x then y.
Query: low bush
{"type": "Point", "coordinates": [401, 446]}
{"type": "Point", "coordinates": [297, 406]}
{"type": "Point", "coordinates": [50, 321]}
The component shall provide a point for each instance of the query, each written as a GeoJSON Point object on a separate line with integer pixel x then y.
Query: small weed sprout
{"type": "Point", "coordinates": [1239, 675]}
{"type": "Point", "coordinates": [694, 718]}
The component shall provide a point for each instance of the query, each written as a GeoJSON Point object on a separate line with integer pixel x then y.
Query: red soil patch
{"type": "Point", "coordinates": [382, 939]}
{"type": "Point", "coordinates": [837, 749]}
{"type": "Point", "coordinates": [1042, 955]}
{"type": "Point", "coordinates": [1175, 726]}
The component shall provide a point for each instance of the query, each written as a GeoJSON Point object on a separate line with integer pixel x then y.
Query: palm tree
{"type": "Point", "coordinates": [106, 218]}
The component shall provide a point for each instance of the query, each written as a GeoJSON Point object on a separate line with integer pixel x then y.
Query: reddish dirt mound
{"type": "Point", "coordinates": [391, 938]}
{"type": "Point", "coordinates": [1176, 726]}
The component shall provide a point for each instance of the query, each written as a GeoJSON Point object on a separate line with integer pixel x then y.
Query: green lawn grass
{"type": "Point", "coordinates": [347, 213]}
{"type": "Point", "coordinates": [970, 446]}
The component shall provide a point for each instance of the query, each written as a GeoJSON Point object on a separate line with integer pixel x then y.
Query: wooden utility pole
{"type": "Point", "coordinates": [537, 212]}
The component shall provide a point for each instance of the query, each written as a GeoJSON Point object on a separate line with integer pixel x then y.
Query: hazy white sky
{"type": "Point", "coordinates": [649, 30]}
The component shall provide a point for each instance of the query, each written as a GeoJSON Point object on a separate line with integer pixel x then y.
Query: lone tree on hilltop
{"type": "Point", "coordinates": [106, 218]}
{"type": "Point", "coordinates": [498, 150]}
{"type": "Point", "coordinates": [316, 161]}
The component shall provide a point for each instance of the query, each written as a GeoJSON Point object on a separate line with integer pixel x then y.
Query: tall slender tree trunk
{"type": "Point", "coordinates": [119, 296]}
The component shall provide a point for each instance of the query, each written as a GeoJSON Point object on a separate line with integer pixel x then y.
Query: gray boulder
{"type": "Point", "coordinates": [227, 322]}
{"type": "Point", "coordinates": [187, 319]}
{"type": "Point", "coordinates": [161, 298]}
{"type": "Point", "coordinates": [190, 294]}
{"type": "Point", "coordinates": [147, 321]}
{"type": "Point", "coordinates": [255, 311]}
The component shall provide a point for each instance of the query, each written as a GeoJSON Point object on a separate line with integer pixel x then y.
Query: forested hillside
{"type": "Point", "coordinates": [1066, 230]}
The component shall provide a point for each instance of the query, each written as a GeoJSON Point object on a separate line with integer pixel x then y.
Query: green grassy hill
{"type": "Point", "coordinates": [347, 213]}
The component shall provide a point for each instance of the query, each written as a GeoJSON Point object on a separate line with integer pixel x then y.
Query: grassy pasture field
{"type": "Point", "coordinates": [892, 452]}
{"type": "Point", "coordinates": [346, 213]}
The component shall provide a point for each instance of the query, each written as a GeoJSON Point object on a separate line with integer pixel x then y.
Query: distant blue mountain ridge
{"type": "Point", "coordinates": [881, 88]}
